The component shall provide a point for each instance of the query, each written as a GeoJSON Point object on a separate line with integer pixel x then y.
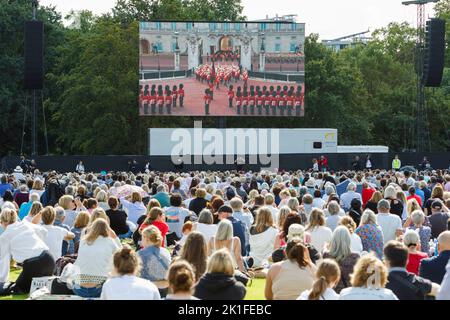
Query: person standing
{"type": "Point", "coordinates": [181, 94]}
{"type": "Point", "coordinates": [80, 167]}
{"type": "Point", "coordinates": [230, 97]}
{"type": "Point", "coordinates": [369, 164]}
{"type": "Point", "coordinates": [396, 163]}
{"type": "Point", "coordinates": [207, 98]}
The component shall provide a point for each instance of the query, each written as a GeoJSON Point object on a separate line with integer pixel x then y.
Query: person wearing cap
{"type": "Point", "coordinates": [434, 268]}
{"type": "Point", "coordinates": [347, 197]}
{"type": "Point", "coordinates": [438, 218]}
{"type": "Point", "coordinates": [240, 230]}
{"type": "Point", "coordinates": [390, 224]}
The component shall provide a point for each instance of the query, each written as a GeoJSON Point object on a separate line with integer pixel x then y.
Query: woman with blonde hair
{"type": "Point", "coordinates": [157, 218]}
{"type": "Point", "coordinates": [219, 282]}
{"type": "Point", "coordinates": [390, 194]}
{"type": "Point", "coordinates": [373, 201]}
{"type": "Point", "coordinates": [94, 261]}
{"type": "Point", "coordinates": [81, 222]}
{"type": "Point", "coordinates": [402, 198]}
{"type": "Point", "coordinates": [134, 206]}
{"type": "Point", "coordinates": [368, 281]}
{"type": "Point", "coordinates": [418, 224]}
{"type": "Point", "coordinates": [327, 277]}
{"type": "Point", "coordinates": [24, 243]}
{"type": "Point", "coordinates": [411, 206]}
{"type": "Point", "coordinates": [38, 187]}
{"type": "Point", "coordinates": [71, 208]}
{"type": "Point", "coordinates": [195, 251]}
{"type": "Point", "coordinates": [102, 199]}
{"type": "Point", "coordinates": [262, 237]}
{"type": "Point", "coordinates": [155, 258]}
{"type": "Point", "coordinates": [370, 233]}
{"type": "Point", "coordinates": [340, 250]}
{"type": "Point", "coordinates": [125, 284]}
{"type": "Point", "coordinates": [36, 207]}
{"type": "Point", "coordinates": [411, 240]}
{"type": "Point", "coordinates": [319, 233]}
{"type": "Point", "coordinates": [251, 198]}
{"type": "Point", "coordinates": [356, 243]}
{"type": "Point", "coordinates": [436, 194]}
{"type": "Point", "coordinates": [224, 239]}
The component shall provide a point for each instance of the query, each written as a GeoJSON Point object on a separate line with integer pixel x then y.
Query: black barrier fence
{"type": "Point", "coordinates": [277, 76]}
{"type": "Point", "coordinates": [438, 160]}
{"type": "Point", "coordinates": [165, 74]}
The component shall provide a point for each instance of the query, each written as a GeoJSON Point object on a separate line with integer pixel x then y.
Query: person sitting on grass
{"type": "Point", "coordinates": [219, 282]}
{"type": "Point", "coordinates": [55, 235]}
{"type": "Point", "coordinates": [94, 261]}
{"type": "Point", "coordinates": [181, 281]}
{"type": "Point", "coordinates": [327, 277]}
{"type": "Point", "coordinates": [124, 284]}
{"type": "Point", "coordinates": [24, 243]}
{"type": "Point", "coordinates": [155, 259]}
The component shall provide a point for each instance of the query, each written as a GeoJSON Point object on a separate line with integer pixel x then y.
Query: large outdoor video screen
{"type": "Point", "coordinates": [222, 69]}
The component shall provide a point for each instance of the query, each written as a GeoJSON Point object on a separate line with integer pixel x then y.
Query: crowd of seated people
{"type": "Point", "coordinates": [161, 99]}
{"type": "Point", "coordinates": [205, 234]}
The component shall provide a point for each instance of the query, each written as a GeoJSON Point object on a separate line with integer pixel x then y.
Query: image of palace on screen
{"type": "Point", "coordinates": [222, 68]}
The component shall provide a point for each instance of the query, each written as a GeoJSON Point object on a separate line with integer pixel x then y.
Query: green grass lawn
{"type": "Point", "coordinates": [255, 291]}
{"type": "Point", "coordinates": [12, 277]}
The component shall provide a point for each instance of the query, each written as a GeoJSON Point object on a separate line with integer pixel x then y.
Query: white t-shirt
{"type": "Point", "coordinates": [329, 294]}
{"type": "Point", "coordinates": [129, 287]}
{"type": "Point", "coordinates": [318, 203]}
{"type": "Point", "coordinates": [208, 230]}
{"type": "Point", "coordinates": [358, 293]}
{"type": "Point", "coordinates": [320, 236]}
{"type": "Point", "coordinates": [389, 224]}
{"type": "Point", "coordinates": [356, 244]}
{"type": "Point", "coordinates": [54, 239]}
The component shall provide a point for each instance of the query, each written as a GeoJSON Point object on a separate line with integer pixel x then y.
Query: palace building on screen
{"type": "Point", "coordinates": [222, 69]}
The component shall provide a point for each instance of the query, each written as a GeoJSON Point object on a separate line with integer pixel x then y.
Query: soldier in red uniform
{"type": "Point", "coordinates": [230, 97]}
{"type": "Point", "coordinates": [181, 94]}
{"type": "Point", "coordinates": [274, 103]}
{"type": "Point", "coordinates": [245, 102]}
{"type": "Point", "coordinates": [281, 103]}
{"type": "Point", "coordinates": [298, 103]}
{"type": "Point", "coordinates": [174, 96]}
{"type": "Point", "coordinates": [252, 102]}
{"type": "Point", "coordinates": [207, 99]}
{"type": "Point", "coordinates": [259, 102]}
{"type": "Point", "coordinates": [153, 97]}
{"type": "Point", "coordinates": [160, 101]}
{"type": "Point", "coordinates": [267, 102]}
{"type": "Point", "coordinates": [211, 89]}
{"type": "Point", "coordinates": [238, 101]}
{"type": "Point", "coordinates": [217, 81]}
{"type": "Point", "coordinates": [168, 101]}
{"type": "Point", "coordinates": [289, 103]}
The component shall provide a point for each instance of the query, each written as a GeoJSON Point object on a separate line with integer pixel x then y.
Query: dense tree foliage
{"type": "Point", "coordinates": [367, 92]}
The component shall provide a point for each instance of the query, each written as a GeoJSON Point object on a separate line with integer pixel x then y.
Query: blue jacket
{"type": "Point", "coordinates": [434, 268]}
{"type": "Point", "coordinates": [240, 230]}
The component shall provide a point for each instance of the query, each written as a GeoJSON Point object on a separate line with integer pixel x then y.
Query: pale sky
{"type": "Point", "coordinates": [329, 18]}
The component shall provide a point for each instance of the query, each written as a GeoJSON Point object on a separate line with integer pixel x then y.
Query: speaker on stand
{"type": "Point", "coordinates": [34, 68]}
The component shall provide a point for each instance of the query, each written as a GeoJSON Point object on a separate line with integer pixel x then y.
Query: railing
{"type": "Point", "coordinates": [150, 75]}
{"type": "Point", "coordinates": [277, 76]}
